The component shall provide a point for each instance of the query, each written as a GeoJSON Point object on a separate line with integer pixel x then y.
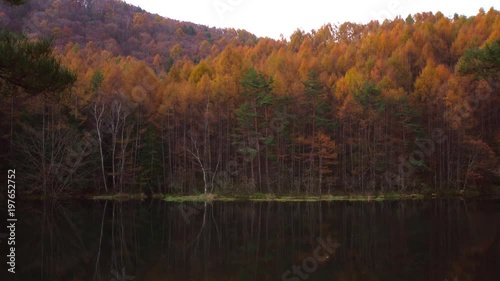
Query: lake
{"type": "Point", "coordinates": [155, 240]}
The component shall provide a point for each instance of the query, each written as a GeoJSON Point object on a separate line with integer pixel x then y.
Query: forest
{"type": "Point", "coordinates": [103, 97]}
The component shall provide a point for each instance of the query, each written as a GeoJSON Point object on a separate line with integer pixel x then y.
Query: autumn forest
{"type": "Point", "coordinates": [103, 97]}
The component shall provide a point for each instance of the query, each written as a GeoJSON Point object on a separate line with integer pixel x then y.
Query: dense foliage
{"type": "Point", "coordinates": [118, 28]}
{"type": "Point", "coordinates": [31, 66]}
{"type": "Point", "coordinates": [403, 105]}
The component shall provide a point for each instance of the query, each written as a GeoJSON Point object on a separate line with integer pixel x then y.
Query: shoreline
{"type": "Point", "coordinates": [492, 192]}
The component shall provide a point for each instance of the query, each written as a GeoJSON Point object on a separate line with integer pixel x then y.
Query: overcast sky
{"type": "Point", "coordinates": [274, 17]}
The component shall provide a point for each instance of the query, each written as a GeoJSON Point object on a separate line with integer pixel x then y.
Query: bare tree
{"type": "Point", "coordinates": [97, 111]}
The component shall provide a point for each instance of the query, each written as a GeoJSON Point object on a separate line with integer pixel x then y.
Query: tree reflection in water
{"type": "Point", "coordinates": [151, 240]}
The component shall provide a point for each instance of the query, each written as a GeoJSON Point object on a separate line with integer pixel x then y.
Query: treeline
{"type": "Point", "coordinates": [119, 28]}
{"type": "Point", "coordinates": [404, 105]}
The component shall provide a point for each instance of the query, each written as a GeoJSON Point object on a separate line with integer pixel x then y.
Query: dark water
{"type": "Point", "coordinates": [153, 240]}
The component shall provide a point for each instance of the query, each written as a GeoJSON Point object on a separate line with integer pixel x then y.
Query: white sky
{"type": "Point", "coordinates": [274, 17]}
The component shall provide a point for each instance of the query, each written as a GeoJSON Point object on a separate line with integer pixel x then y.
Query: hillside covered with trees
{"type": "Point", "coordinates": [406, 105]}
{"type": "Point", "coordinates": [118, 28]}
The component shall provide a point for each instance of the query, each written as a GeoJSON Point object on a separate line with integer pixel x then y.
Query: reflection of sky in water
{"type": "Point", "coordinates": [409, 240]}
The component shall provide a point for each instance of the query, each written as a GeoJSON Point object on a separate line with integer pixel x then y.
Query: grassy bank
{"type": "Point", "coordinates": [267, 197]}
{"type": "Point", "coordinates": [489, 192]}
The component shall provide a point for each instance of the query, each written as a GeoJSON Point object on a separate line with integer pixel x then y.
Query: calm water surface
{"type": "Point", "coordinates": [154, 240]}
